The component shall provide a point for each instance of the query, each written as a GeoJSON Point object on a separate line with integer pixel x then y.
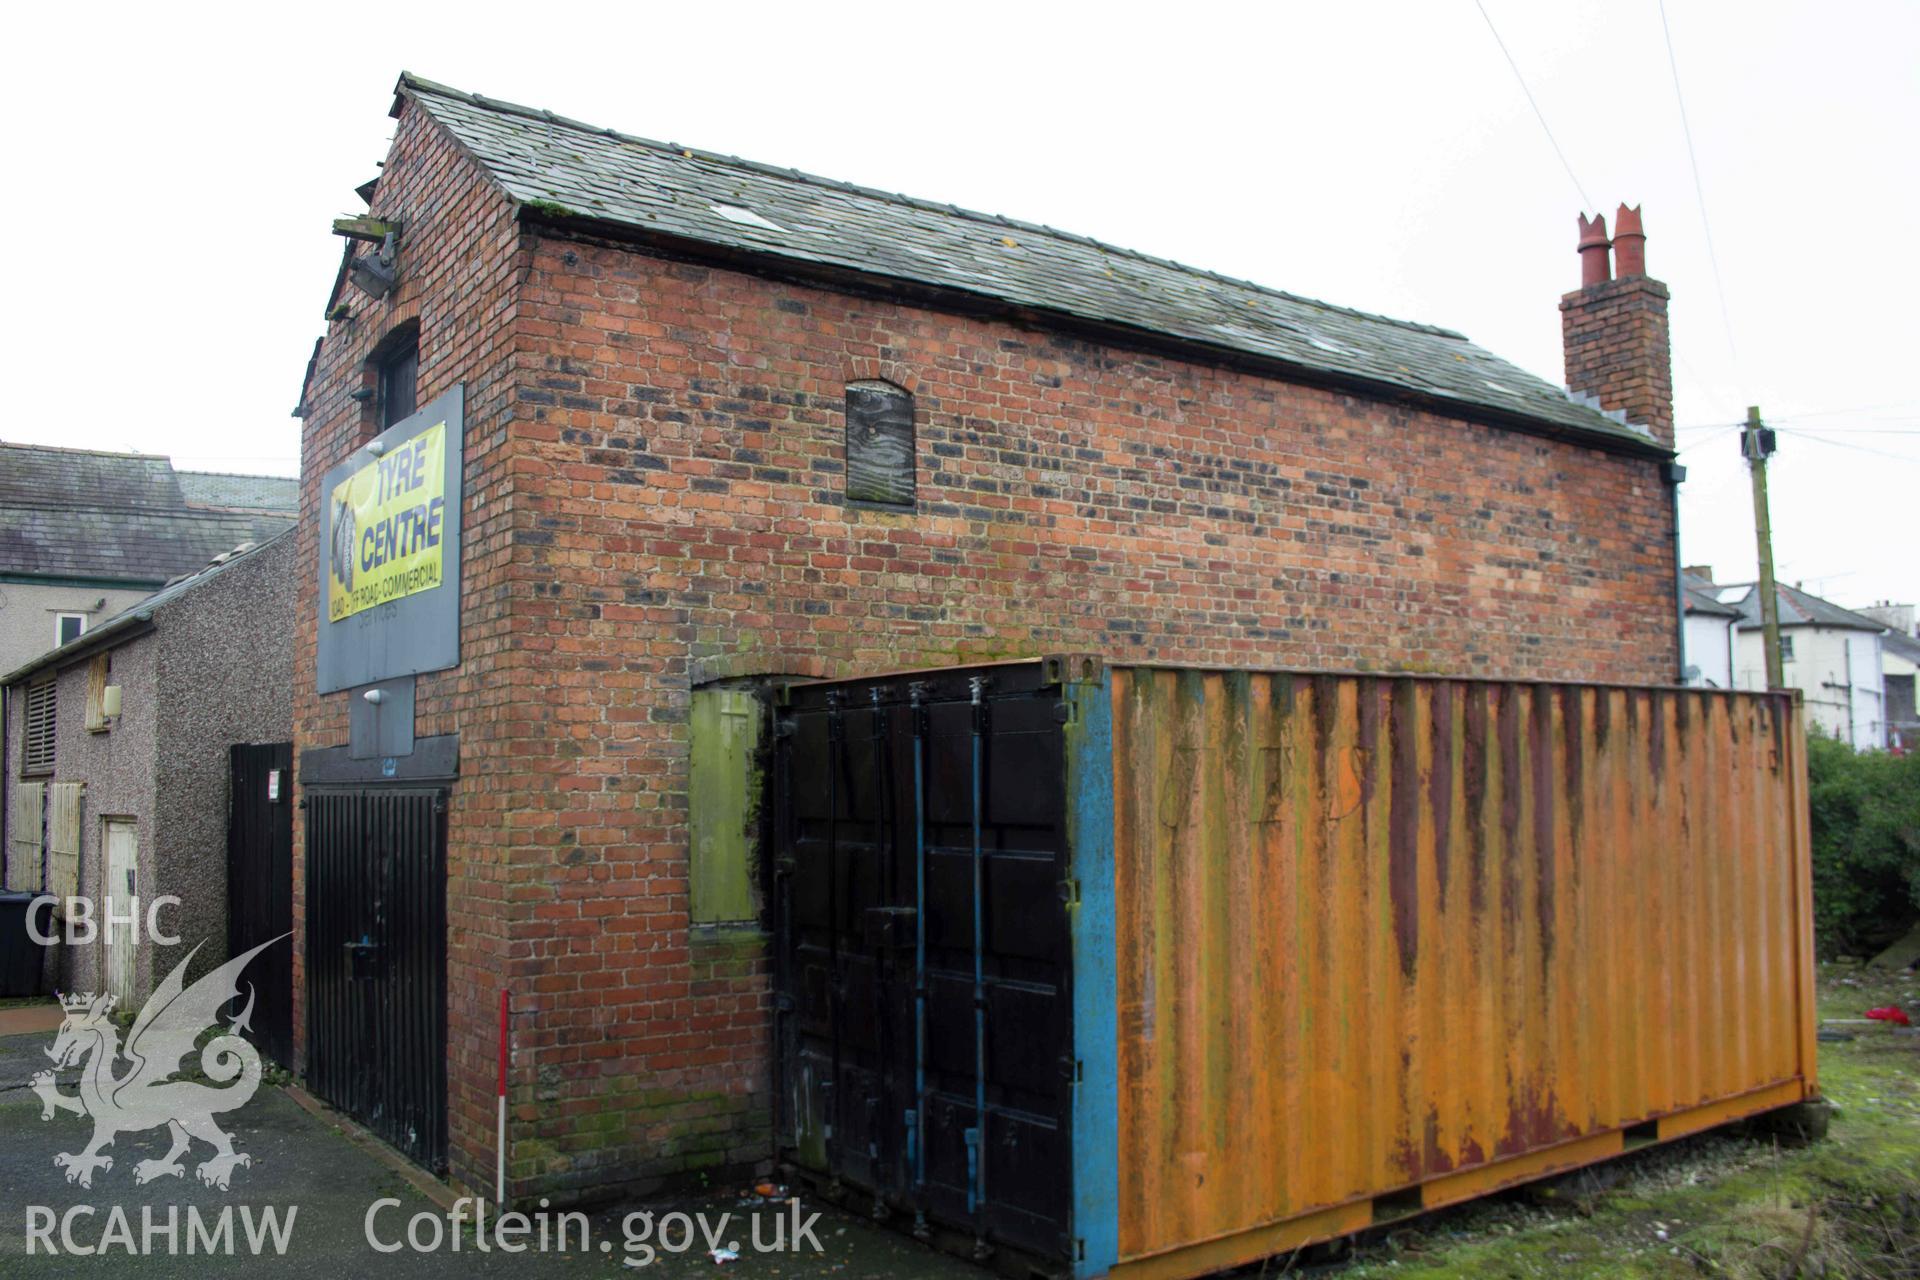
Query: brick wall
{"type": "Point", "coordinates": [654, 475]}
{"type": "Point", "coordinates": [678, 517]}
{"type": "Point", "coordinates": [460, 259]}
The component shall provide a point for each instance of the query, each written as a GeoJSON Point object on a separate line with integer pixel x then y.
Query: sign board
{"type": "Point", "coordinates": [390, 552]}
{"type": "Point", "coordinates": [273, 784]}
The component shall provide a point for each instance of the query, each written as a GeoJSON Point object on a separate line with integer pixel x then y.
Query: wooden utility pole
{"type": "Point", "coordinates": [1757, 443]}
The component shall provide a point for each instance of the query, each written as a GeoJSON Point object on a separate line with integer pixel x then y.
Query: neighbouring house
{"type": "Point", "coordinates": [86, 534]}
{"type": "Point", "coordinates": [1899, 665]}
{"type": "Point", "coordinates": [1897, 618]}
{"type": "Point", "coordinates": [119, 757]}
{"type": "Point", "coordinates": [1832, 655]}
{"type": "Point", "coordinates": [602, 431]}
{"type": "Point", "coordinates": [1712, 632]}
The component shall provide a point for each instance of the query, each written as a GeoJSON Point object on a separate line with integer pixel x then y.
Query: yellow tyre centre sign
{"type": "Point", "coordinates": [387, 526]}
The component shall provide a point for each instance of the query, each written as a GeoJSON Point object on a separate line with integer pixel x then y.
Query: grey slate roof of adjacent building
{"type": "Point", "coordinates": [279, 494]}
{"type": "Point", "coordinates": [1904, 645]}
{"type": "Point", "coordinates": [1797, 609]}
{"type": "Point", "coordinates": [1699, 601]}
{"type": "Point", "coordinates": [135, 619]}
{"type": "Point", "coordinates": [562, 170]}
{"type": "Point", "coordinates": [1701, 596]}
{"type": "Point", "coordinates": [128, 518]}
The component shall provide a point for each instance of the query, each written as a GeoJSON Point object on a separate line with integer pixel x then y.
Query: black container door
{"type": "Point", "coordinates": [924, 985]}
{"type": "Point", "coordinates": [260, 888]}
{"type": "Point", "coordinates": [377, 961]}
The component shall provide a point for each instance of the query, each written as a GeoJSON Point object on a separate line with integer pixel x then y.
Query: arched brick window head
{"type": "Point", "coordinates": [880, 452]}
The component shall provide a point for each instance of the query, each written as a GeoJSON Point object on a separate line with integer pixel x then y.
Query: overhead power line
{"type": "Point", "coordinates": [1857, 448]}
{"type": "Point", "coordinates": [1539, 115]}
{"type": "Point", "coordinates": [1699, 189]}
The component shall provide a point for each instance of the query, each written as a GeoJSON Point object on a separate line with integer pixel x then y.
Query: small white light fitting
{"type": "Point", "coordinates": [376, 447]}
{"type": "Point", "coordinates": [110, 702]}
{"type": "Point", "coordinates": [374, 696]}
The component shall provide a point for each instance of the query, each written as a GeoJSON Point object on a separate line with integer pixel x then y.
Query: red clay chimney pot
{"type": "Point", "coordinates": [1594, 245]}
{"type": "Point", "coordinates": [1629, 243]}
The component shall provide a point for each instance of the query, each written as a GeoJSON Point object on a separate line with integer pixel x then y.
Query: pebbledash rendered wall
{"type": "Point", "coordinates": [653, 484]}
{"type": "Point", "coordinates": [210, 672]}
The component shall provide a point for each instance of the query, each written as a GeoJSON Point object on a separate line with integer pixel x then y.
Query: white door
{"type": "Point", "coordinates": [122, 850]}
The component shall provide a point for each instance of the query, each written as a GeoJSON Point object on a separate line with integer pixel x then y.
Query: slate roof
{"type": "Point", "coordinates": [1797, 609]}
{"type": "Point", "coordinates": [135, 618]}
{"type": "Point", "coordinates": [279, 494]}
{"type": "Point", "coordinates": [1699, 601]}
{"type": "Point", "coordinates": [562, 170]}
{"type": "Point", "coordinates": [1701, 596]}
{"type": "Point", "coordinates": [122, 517]}
{"type": "Point", "coordinates": [1905, 646]}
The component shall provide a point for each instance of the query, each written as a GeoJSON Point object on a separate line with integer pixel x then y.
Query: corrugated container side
{"type": "Point", "coordinates": [1413, 938]}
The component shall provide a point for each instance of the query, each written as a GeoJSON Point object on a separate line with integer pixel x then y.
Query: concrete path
{"type": "Point", "coordinates": [307, 1170]}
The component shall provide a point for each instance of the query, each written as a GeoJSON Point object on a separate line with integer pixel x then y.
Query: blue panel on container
{"type": "Point", "coordinates": [1096, 1107]}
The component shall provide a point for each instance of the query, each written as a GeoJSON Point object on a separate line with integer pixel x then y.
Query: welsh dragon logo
{"type": "Point", "coordinates": [146, 1094]}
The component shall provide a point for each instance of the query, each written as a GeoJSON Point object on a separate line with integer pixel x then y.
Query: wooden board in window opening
{"type": "Point", "coordinates": [880, 462]}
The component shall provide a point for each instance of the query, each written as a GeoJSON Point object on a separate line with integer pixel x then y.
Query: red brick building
{"type": "Point", "coordinates": [1059, 446]}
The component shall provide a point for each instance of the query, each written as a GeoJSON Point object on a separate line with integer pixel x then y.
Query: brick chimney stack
{"type": "Point", "coordinates": [1614, 327]}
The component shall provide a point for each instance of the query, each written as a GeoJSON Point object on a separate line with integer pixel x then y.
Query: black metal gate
{"type": "Point", "coordinates": [377, 961]}
{"type": "Point", "coordinates": [923, 956]}
{"type": "Point", "coordinates": [260, 886]}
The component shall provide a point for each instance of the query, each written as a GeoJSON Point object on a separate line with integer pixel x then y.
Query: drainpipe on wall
{"type": "Point", "coordinates": [1675, 474]}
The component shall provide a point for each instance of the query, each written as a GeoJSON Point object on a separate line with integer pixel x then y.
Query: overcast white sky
{"type": "Point", "coordinates": [173, 170]}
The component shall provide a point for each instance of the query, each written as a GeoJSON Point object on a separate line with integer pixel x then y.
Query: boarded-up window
{"type": "Point", "coordinates": [26, 821]}
{"type": "Point", "coordinates": [38, 754]}
{"type": "Point", "coordinates": [880, 461]}
{"type": "Point", "coordinates": [63, 839]}
{"type": "Point", "coordinates": [722, 805]}
{"type": "Point", "coordinates": [97, 672]}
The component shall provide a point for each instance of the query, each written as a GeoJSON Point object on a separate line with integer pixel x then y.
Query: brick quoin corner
{"type": "Point", "coordinates": [653, 499]}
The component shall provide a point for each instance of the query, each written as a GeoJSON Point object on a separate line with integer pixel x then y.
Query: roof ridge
{"type": "Point", "coordinates": [238, 475]}
{"type": "Point", "coordinates": [185, 509]}
{"type": "Point", "coordinates": [96, 453]}
{"type": "Point", "coordinates": [421, 85]}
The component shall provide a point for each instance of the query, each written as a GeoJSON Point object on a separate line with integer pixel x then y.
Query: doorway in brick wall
{"type": "Point", "coordinates": [260, 888]}
{"type": "Point", "coordinates": [376, 915]}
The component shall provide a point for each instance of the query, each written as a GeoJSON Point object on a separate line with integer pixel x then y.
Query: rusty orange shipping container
{"type": "Point", "coordinates": [1331, 948]}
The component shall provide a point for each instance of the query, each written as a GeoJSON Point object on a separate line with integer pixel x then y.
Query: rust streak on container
{"type": "Point", "coordinates": [1403, 838]}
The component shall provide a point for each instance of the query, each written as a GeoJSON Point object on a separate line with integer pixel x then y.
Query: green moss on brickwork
{"type": "Point", "coordinates": [992, 650]}
{"type": "Point", "coordinates": [729, 951]}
